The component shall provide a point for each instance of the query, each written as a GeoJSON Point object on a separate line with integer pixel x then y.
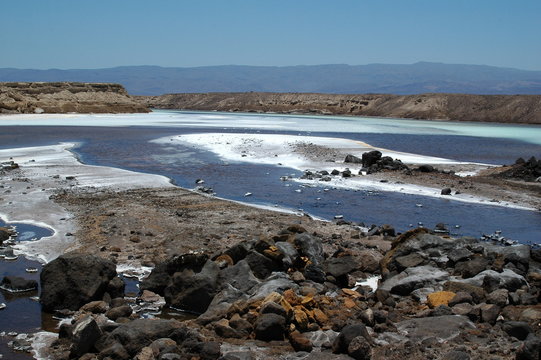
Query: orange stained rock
{"type": "Point", "coordinates": [301, 319]}
{"type": "Point", "coordinates": [307, 300]}
{"type": "Point", "coordinates": [274, 297]}
{"type": "Point", "coordinates": [349, 303]}
{"type": "Point", "coordinates": [287, 306]}
{"type": "Point", "coordinates": [225, 258]}
{"type": "Point", "coordinates": [320, 316]}
{"type": "Point", "coordinates": [351, 293]}
{"type": "Point", "coordinates": [439, 298]}
{"type": "Point", "coordinates": [291, 297]}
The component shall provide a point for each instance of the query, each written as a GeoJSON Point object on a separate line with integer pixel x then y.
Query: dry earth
{"type": "Point", "coordinates": [66, 97]}
{"type": "Point", "coordinates": [150, 225]}
{"type": "Point", "coordinates": [457, 107]}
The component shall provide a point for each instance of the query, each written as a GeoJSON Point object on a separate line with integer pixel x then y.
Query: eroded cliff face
{"type": "Point", "coordinates": [459, 107]}
{"type": "Point", "coordinates": [66, 97]}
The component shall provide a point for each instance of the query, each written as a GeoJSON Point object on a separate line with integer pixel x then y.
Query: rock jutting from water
{"type": "Point", "coordinates": [294, 293]}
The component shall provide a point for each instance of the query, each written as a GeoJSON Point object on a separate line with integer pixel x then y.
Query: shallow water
{"type": "Point", "coordinates": [22, 314]}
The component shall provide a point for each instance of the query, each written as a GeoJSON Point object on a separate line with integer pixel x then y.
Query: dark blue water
{"type": "Point", "coordinates": [22, 313]}
{"type": "Point", "coordinates": [234, 180]}
{"type": "Point", "coordinates": [129, 148]}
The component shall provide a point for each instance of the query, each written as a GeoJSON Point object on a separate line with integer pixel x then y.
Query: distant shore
{"type": "Point", "coordinates": [519, 109]}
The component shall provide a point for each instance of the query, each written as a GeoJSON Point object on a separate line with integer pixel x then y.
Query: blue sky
{"type": "Point", "coordinates": [69, 34]}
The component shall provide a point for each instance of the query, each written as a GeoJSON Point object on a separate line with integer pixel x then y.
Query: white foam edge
{"type": "Point", "coordinates": [362, 183]}
{"type": "Point", "coordinates": [41, 342]}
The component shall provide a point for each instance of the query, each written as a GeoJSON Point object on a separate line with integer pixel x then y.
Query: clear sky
{"type": "Point", "coordinates": [69, 34]}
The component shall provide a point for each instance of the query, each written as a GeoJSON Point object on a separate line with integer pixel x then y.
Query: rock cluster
{"type": "Point", "coordinates": [297, 295]}
{"type": "Point", "coordinates": [526, 170]}
{"type": "Point", "coordinates": [373, 161]}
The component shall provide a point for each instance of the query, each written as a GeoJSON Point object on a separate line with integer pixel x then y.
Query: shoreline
{"type": "Point", "coordinates": [313, 153]}
{"type": "Point", "coordinates": [39, 177]}
{"type": "Point", "coordinates": [38, 184]}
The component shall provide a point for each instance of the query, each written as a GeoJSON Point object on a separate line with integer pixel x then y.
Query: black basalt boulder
{"type": "Point", "coordinates": [72, 280]}
{"type": "Point", "coordinates": [370, 158]}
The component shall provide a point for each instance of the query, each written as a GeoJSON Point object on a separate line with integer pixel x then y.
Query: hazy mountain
{"type": "Point", "coordinates": [417, 78]}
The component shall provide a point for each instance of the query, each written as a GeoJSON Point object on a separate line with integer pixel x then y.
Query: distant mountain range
{"type": "Point", "coordinates": [421, 77]}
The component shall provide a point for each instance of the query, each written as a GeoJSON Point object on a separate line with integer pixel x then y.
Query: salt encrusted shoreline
{"type": "Point", "coordinates": [313, 153]}
{"type": "Point", "coordinates": [42, 172]}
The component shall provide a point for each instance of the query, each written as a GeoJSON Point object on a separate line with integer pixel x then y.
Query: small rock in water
{"type": "Point", "coordinates": [199, 181]}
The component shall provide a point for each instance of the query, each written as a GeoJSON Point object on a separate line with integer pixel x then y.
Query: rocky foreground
{"type": "Point", "coordinates": [295, 295]}
{"type": "Point", "coordinates": [66, 97]}
{"type": "Point", "coordinates": [457, 107]}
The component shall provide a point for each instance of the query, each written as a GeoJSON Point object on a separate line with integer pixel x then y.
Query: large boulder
{"type": "Point", "coordinates": [239, 276]}
{"type": "Point", "coordinates": [72, 280]}
{"type": "Point", "coordinates": [370, 158]}
{"type": "Point", "coordinates": [136, 334]}
{"type": "Point", "coordinates": [507, 279]}
{"type": "Point", "coordinates": [310, 247]}
{"type": "Point", "coordinates": [442, 328]}
{"type": "Point", "coordinates": [161, 276]}
{"type": "Point", "coordinates": [270, 327]}
{"type": "Point", "coordinates": [414, 278]}
{"type": "Point", "coordinates": [348, 333]}
{"type": "Point", "coordinates": [85, 334]}
{"type": "Point", "coordinates": [193, 292]}
{"type": "Point", "coordinates": [352, 159]}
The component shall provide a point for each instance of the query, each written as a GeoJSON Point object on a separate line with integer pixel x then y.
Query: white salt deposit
{"type": "Point", "coordinates": [43, 171]}
{"type": "Point", "coordinates": [280, 150]}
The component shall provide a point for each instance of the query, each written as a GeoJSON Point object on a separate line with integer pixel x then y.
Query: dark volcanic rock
{"type": "Point", "coordinates": [370, 158]}
{"type": "Point", "coordinates": [270, 327]}
{"type": "Point", "coordinates": [339, 266]}
{"type": "Point", "coordinates": [193, 292]}
{"type": "Point", "coordinates": [352, 159]}
{"type": "Point", "coordinates": [348, 333]}
{"type": "Point", "coordinates": [518, 329]}
{"type": "Point", "coordinates": [85, 334]}
{"type": "Point", "coordinates": [18, 284]}
{"type": "Point", "coordinates": [161, 275]}
{"type": "Point", "coordinates": [310, 247]}
{"type": "Point", "coordinates": [314, 273]}
{"type": "Point", "coordinates": [530, 349]}
{"type": "Point", "coordinates": [261, 265]}
{"type": "Point", "coordinates": [136, 334]}
{"type": "Point", "coordinates": [4, 234]}
{"type": "Point", "coordinates": [72, 280]}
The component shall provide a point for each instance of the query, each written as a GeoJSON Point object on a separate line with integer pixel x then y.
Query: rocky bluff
{"type": "Point", "coordinates": [66, 97]}
{"type": "Point", "coordinates": [458, 107]}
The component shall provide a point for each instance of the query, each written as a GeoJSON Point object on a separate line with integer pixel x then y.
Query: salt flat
{"type": "Point", "coordinates": [43, 171]}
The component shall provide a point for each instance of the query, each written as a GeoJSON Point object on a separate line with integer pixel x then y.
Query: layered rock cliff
{"type": "Point", "coordinates": [459, 107]}
{"type": "Point", "coordinates": [66, 97]}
